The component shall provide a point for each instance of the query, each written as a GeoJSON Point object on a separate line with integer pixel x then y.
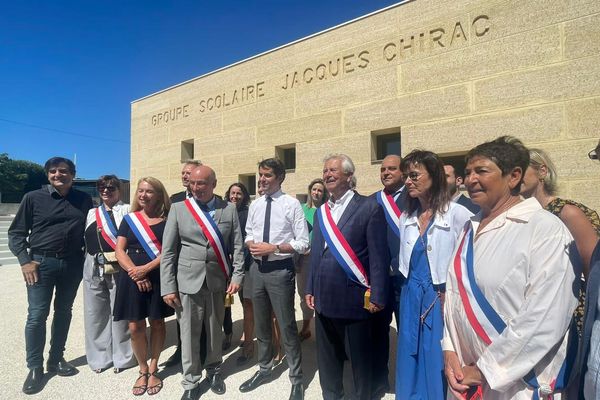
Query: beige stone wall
{"type": "Point", "coordinates": [448, 74]}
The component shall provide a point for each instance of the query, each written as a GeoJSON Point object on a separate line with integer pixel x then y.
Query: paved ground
{"type": "Point", "coordinates": [88, 385]}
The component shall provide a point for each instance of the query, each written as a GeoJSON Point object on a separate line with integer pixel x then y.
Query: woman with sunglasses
{"type": "Point", "coordinates": [107, 342]}
{"type": "Point", "coordinates": [429, 229]}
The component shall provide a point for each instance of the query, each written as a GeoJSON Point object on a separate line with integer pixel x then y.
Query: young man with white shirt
{"type": "Point", "coordinates": [275, 230]}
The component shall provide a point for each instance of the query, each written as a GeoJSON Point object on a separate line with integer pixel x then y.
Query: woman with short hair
{"type": "Point", "coordinates": [107, 342]}
{"type": "Point", "coordinates": [138, 287]}
{"type": "Point", "coordinates": [511, 287]}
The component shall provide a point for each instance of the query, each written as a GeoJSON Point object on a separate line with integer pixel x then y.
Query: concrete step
{"type": "Point", "coordinates": [3, 234]}
{"type": "Point", "coordinates": [6, 217]}
{"type": "Point", "coordinates": [5, 253]}
{"type": "Point", "coordinates": [9, 260]}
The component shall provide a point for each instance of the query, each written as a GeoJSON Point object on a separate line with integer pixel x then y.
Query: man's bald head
{"type": "Point", "coordinates": [203, 181]}
{"type": "Point", "coordinates": [390, 173]}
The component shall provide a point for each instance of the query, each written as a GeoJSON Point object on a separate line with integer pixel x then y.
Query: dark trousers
{"type": "Point", "coordinates": [338, 339]}
{"type": "Point", "coordinates": [62, 276]}
{"type": "Point", "coordinates": [381, 338]}
{"type": "Point", "coordinates": [274, 289]}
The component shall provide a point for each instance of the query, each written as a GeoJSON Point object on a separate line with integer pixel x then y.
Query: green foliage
{"type": "Point", "coordinates": [20, 175]}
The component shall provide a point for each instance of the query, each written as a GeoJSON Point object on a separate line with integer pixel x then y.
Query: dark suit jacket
{"type": "Point", "coordinates": [177, 197]}
{"type": "Point", "coordinates": [336, 296]}
{"type": "Point", "coordinates": [393, 241]}
{"type": "Point", "coordinates": [468, 204]}
{"type": "Point", "coordinates": [591, 315]}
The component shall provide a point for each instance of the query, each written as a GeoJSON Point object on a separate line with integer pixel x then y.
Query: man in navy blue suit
{"type": "Point", "coordinates": [348, 279]}
{"type": "Point", "coordinates": [390, 199]}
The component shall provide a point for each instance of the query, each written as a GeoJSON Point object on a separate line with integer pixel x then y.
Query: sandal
{"type": "Point", "coordinates": [139, 390]}
{"type": "Point", "coordinates": [154, 389]}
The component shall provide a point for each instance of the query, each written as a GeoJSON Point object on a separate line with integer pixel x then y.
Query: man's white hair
{"type": "Point", "coordinates": [347, 165]}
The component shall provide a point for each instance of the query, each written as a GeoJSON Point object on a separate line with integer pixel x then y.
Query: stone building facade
{"type": "Point", "coordinates": [442, 75]}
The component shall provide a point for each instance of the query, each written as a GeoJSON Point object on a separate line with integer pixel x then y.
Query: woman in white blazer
{"type": "Point", "coordinates": [107, 342]}
{"type": "Point", "coordinates": [429, 230]}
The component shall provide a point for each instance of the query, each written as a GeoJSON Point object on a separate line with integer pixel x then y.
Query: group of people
{"type": "Point", "coordinates": [494, 297]}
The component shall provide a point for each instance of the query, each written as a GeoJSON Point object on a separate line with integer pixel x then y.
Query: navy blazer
{"type": "Point", "coordinates": [335, 295]}
{"type": "Point", "coordinates": [393, 241]}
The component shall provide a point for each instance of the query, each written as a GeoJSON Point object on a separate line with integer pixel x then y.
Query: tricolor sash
{"type": "Point", "coordinates": [340, 248]}
{"type": "Point", "coordinates": [486, 322]}
{"type": "Point", "coordinates": [212, 233]}
{"type": "Point", "coordinates": [144, 234]}
{"type": "Point", "coordinates": [106, 226]}
{"type": "Point", "coordinates": [391, 211]}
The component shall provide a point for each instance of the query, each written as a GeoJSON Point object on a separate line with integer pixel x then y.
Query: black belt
{"type": "Point", "coordinates": [51, 254]}
{"type": "Point", "coordinates": [275, 264]}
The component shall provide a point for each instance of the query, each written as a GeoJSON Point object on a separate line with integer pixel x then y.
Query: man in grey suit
{"type": "Point", "coordinates": [202, 239]}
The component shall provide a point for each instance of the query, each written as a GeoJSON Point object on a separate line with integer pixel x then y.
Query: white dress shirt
{"type": "Point", "coordinates": [441, 239]}
{"type": "Point", "coordinates": [287, 224]}
{"type": "Point", "coordinates": [522, 266]}
{"type": "Point", "coordinates": [338, 207]}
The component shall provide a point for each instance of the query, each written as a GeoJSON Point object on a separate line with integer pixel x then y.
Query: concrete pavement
{"type": "Point", "coordinates": [105, 386]}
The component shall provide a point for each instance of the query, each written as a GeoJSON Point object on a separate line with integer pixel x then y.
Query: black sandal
{"type": "Point", "coordinates": [152, 390]}
{"type": "Point", "coordinates": [144, 388]}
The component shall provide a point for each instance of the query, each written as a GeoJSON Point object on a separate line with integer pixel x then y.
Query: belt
{"type": "Point", "coordinates": [51, 254]}
{"type": "Point", "coordinates": [275, 264]}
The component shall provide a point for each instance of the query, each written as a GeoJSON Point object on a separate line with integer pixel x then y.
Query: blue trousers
{"type": "Point", "coordinates": [60, 277]}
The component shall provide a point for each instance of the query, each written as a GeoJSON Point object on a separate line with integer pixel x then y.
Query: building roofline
{"type": "Point", "coordinates": [402, 2]}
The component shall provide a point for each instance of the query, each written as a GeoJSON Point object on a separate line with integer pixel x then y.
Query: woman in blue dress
{"type": "Point", "coordinates": [429, 230]}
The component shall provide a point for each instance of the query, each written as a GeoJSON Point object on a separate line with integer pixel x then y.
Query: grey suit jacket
{"type": "Point", "coordinates": [188, 260]}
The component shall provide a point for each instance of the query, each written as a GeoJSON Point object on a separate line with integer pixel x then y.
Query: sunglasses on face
{"type": "Point", "coordinates": [413, 176]}
{"type": "Point", "coordinates": [109, 188]}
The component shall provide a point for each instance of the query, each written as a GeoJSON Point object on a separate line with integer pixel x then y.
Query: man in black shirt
{"type": "Point", "coordinates": [47, 238]}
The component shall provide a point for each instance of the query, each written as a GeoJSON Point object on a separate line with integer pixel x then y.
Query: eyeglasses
{"type": "Point", "coordinates": [413, 176]}
{"type": "Point", "coordinates": [593, 155]}
{"type": "Point", "coordinates": [109, 188]}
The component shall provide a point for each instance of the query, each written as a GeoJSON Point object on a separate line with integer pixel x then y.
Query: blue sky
{"type": "Point", "coordinates": [73, 67]}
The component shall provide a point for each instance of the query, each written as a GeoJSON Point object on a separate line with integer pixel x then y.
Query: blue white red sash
{"type": "Point", "coordinates": [485, 321]}
{"type": "Point", "coordinates": [144, 234]}
{"type": "Point", "coordinates": [391, 211]}
{"type": "Point", "coordinates": [340, 248]}
{"type": "Point", "coordinates": [212, 233]}
{"type": "Point", "coordinates": [106, 227]}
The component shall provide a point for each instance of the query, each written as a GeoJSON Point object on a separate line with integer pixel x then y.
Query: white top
{"type": "Point", "coordinates": [119, 210]}
{"type": "Point", "coordinates": [441, 239]}
{"type": "Point", "coordinates": [287, 224]}
{"type": "Point", "coordinates": [339, 206]}
{"type": "Point", "coordinates": [522, 266]}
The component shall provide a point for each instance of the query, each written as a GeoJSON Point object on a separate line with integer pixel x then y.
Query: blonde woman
{"type": "Point", "coordinates": [583, 223]}
{"type": "Point", "coordinates": [138, 287]}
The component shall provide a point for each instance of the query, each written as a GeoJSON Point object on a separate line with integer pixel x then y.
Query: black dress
{"type": "Point", "coordinates": [130, 303]}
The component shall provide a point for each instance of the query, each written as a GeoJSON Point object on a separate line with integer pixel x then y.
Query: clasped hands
{"type": "Point", "coordinates": [138, 275]}
{"type": "Point", "coordinates": [460, 378]}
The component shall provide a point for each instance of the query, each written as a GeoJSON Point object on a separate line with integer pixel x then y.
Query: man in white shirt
{"type": "Point", "coordinates": [275, 230]}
